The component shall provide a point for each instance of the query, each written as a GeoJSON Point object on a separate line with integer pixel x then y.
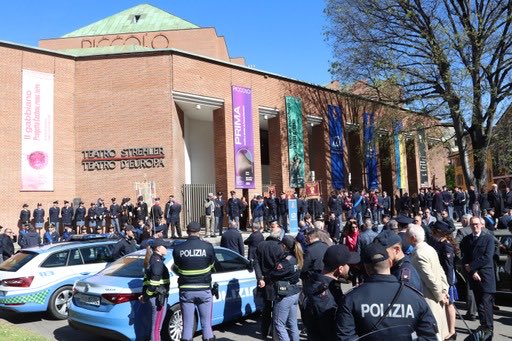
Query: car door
{"type": "Point", "coordinates": [237, 284]}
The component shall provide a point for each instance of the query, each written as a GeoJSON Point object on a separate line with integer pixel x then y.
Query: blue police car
{"type": "Point", "coordinates": [107, 304]}
{"type": "Point", "coordinates": [41, 278]}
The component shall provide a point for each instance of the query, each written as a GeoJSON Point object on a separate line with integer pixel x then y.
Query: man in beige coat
{"type": "Point", "coordinates": [433, 279]}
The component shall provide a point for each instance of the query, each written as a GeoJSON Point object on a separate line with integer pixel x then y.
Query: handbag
{"type": "Point", "coordinates": [282, 288]}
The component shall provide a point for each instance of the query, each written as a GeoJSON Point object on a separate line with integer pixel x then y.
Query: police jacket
{"type": "Point", "coordinates": [80, 214]}
{"type": "Point", "coordinates": [24, 216]}
{"type": "Point", "coordinates": [219, 208]}
{"type": "Point", "coordinates": [363, 307]}
{"type": "Point", "coordinates": [232, 239]}
{"type": "Point", "coordinates": [38, 215]}
{"type": "Point", "coordinates": [194, 261]}
{"type": "Point", "coordinates": [253, 241]}
{"type": "Point", "coordinates": [286, 273]}
{"type": "Point", "coordinates": [156, 277]}
{"type": "Point", "coordinates": [50, 238]}
{"type": "Point", "coordinates": [174, 213]}
{"type": "Point", "coordinates": [271, 204]}
{"type": "Point", "coordinates": [258, 211]}
{"type": "Point", "coordinates": [115, 209]}
{"type": "Point", "coordinates": [267, 254]}
{"type": "Point", "coordinates": [234, 208]}
{"type": "Point", "coordinates": [404, 271]}
{"type": "Point", "coordinates": [6, 246]}
{"type": "Point", "coordinates": [335, 205]}
{"type": "Point", "coordinates": [91, 213]}
{"type": "Point", "coordinates": [156, 212]}
{"type": "Point", "coordinates": [54, 213]}
{"type": "Point", "coordinates": [67, 215]}
{"type": "Point", "coordinates": [99, 212]}
{"type": "Point", "coordinates": [123, 247]}
{"type": "Point", "coordinates": [333, 227]}
{"type": "Point", "coordinates": [30, 239]}
{"type": "Point", "coordinates": [141, 211]}
{"type": "Point", "coordinates": [314, 259]}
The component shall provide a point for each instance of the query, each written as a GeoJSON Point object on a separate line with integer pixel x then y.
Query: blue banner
{"type": "Point", "coordinates": [370, 151]}
{"type": "Point", "coordinates": [293, 216]}
{"type": "Point", "coordinates": [336, 145]}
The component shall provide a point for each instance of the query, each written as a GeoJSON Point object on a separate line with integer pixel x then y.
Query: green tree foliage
{"type": "Point", "coordinates": [450, 59]}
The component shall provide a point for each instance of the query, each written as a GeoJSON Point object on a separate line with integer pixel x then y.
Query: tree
{"type": "Point", "coordinates": [450, 58]}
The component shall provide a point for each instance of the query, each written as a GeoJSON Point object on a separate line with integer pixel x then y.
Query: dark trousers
{"type": "Point", "coordinates": [266, 318]}
{"type": "Point", "coordinates": [484, 303]}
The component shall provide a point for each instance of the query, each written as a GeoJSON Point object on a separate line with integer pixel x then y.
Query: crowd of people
{"type": "Point", "coordinates": [410, 256]}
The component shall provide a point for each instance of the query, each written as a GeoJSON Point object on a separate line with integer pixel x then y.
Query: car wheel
{"type": "Point", "coordinates": [173, 324]}
{"type": "Point", "coordinates": [59, 303]}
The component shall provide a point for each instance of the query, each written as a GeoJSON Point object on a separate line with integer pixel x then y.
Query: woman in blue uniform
{"type": "Point", "coordinates": [285, 276]}
{"type": "Point", "coordinates": [446, 249]}
{"type": "Point", "coordinates": [156, 286]}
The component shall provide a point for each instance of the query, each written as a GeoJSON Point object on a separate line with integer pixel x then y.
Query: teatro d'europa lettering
{"type": "Point", "coordinates": [131, 158]}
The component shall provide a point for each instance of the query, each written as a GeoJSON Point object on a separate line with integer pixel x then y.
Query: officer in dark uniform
{"type": "Point", "coordinates": [125, 245]}
{"type": "Point", "coordinates": [174, 218]}
{"type": "Point", "coordinates": [401, 267]}
{"type": "Point", "coordinates": [25, 215]}
{"type": "Point", "coordinates": [53, 214]}
{"type": "Point", "coordinates": [219, 212]}
{"type": "Point", "coordinates": [38, 215]}
{"type": "Point", "coordinates": [114, 212]}
{"type": "Point", "coordinates": [324, 293]}
{"type": "Point", "coordinates": [271, 204]}
{"type": "Point", "coordinates": [159, 234]}
{"type": "Point", "coordinates": [382, 306]}
{"type": "Point", "coordinates": [51, 236]}
{"type": "Point", "coordinates": [155, 289]}
{"type": "Point", "coordinates": [80, 216]}
{"type": "Point", "coordinates": [100, 211]}
{"type": "Point", "coordinates": [267, 254]}
{"type": "Point", "coordinates": [156, 211]}
{"type": "Point", "coordinates": [141, 210]}
{"type": "Point", "coordinates": [30, 239]}
{"type": "Point", "coordinates": [234, 208]}
{"type": "Point", "coordinates": [194, 261]}
{"type": "Point", "coordinates": [67, 214]}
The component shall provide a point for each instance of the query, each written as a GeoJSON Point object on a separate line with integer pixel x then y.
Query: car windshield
{"type": "Point", "coordinates": [17, 261]}
{"type": "Point", "coordinates": [129, 266]}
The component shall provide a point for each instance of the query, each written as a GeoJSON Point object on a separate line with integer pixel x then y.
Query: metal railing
{"type": "Point", "coordinates": [193, 202]}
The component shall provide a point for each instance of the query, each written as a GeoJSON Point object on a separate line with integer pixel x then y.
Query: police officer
{"type": "Point", "coordinates": [141, 211]}
{"type": "Point", "coordinates": [156, 211]}
{"type": "Point", "coordinates": [194, 261]}
{"type": "Point", "coordinates": [80, 216]}
{"type": "Point", "coordinates": [125, 245]}
{"type": "Point", "coordinates": [325, 293]}
{"type": "Point", "coordinates": [53, 214]}
{"type": "Point", "coordinates": [25, 215]}
{"type": "Point", "coordinates": [401, 267]}
{"type": "Point", "coordinates": [38, 215]}
{"type": "Point", "coordinates": [114, 212]}
{"type": "Point", "coordinates": [30, 239]}
{"type": "Point", "coordinates": [67, 214]}
{"type": "Point", "coordinates": [159, 234]}
{"type": "Point", "coordinates": [156, 286]}
{"type": "Point", "coordinates": [51, 236]}
{"type": "Point", "coordinates": [382, 306]}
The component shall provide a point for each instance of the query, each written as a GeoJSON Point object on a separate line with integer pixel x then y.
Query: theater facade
{"type": "Point", "coordinates": [144, 102]}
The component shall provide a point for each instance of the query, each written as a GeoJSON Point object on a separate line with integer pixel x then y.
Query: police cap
{"type": "Point", "coordinates": [404, 220]}
{"type": "Point", "coordinates": [339, 254]}
{"type": "Point", "coordinates": [374, 253]}
{"type": "Point", "coordinates": [387, 238]}
{"type": "Point", "coordinates": [194, 226]}
{"type": "Point", "coordinates": [159, 228]}
{"type": "Point", "coordinates": [442, 227]}
{"type": "Point", "coordinates": [129, 228]}
{"type": "Point", "coordinates": [158, 242]}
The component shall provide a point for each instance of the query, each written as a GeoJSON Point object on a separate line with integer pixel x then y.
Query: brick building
{"type": "Point", "coordinates": [146, 97]}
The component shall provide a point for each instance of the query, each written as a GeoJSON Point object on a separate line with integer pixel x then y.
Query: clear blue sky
{"type": "Point", "coordinates": [279, 36]}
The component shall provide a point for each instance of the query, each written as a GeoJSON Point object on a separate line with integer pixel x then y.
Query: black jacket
{"type": "Point", "coordinates": [80, 214]}
{"type": "Point", "coordinates": [67, 215]}
{"type": "Point", "coordinates": [232, 239]}
{"type": "Point", "coordinates": [155, 276]}
{"type": "Point", "coordinates": [123, 247]}
{"type": "Point", "coordinates": [253, 241]}
{"type": "Point", "coordinates": [6, 246]}
{"type": "Point", "coordinates": [30, 239]}
{"type": "Point", "coordinates": [234, 207]}
{"type": "Point", "coordinates": [363, 307]}
{"type": "Point", "coordinates": [24, 216]}
{"type": "Point", "coordinates": [194, 261]}
{"type": "Point", "coordinates": [479, 253]}
{"type": "Point", "coordinates": [286, 270]}
{"type": "Point", "coordinates": [38, 215]}
{"type": "Point", "coordinates": [54, 213]}
{"type": "Point", "coordinates": [314, 259]}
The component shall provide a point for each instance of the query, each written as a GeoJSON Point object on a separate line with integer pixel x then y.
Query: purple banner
{"type": "Point", "coordinates": [243, 137]}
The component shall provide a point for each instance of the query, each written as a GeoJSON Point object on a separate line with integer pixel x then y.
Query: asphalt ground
{"type": "Point", "coordinates": [244, 329]}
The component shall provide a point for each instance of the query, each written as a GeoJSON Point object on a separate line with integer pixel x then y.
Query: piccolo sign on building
{"type": "Point", "coordinates": [127, 158]}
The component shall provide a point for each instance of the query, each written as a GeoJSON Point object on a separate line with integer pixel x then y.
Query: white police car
{"type": "Point", "coordinates": [41, 278]}
{"type": "Point", "coordinates": [107, 304]}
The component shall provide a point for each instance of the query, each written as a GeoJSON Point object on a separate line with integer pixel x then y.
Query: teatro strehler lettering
{"type": "Point", "coordinates": [130, 158]}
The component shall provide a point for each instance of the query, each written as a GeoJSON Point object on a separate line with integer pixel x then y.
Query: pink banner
{"type": "Point", "coordinates": [37, 131]}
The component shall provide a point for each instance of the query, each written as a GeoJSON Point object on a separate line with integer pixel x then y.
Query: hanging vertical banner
{"type": "Point", "coordinates": [293, 215]}
{"type": "Point", "coordinates": [37, 131]}
{"type": "Point", "coordinates": [400, 160]}
{"type": "Point", "coordinates": [295, 141]}
{"type": "Point", "coordinates": [422, 148]}
{"type": "Point", "coordinates": [336, 146]}
{"type": "Point", "coordinates": [243, 137]}
{"type": "Point", "coordinates": [370, 151]}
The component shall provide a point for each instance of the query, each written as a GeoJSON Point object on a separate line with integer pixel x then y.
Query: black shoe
{"type": "Point", "coordinates": [470, 317]}
{"type": "Point", "coordinates": [452, 337]}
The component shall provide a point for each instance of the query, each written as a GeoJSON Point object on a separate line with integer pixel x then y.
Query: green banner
{"type": "Point", "coordinates": [295, 141]}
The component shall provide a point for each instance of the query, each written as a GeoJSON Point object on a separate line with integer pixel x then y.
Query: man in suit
{"type": "Point", "coordinates": [477, 251]}
{"type": "Point", "coordinates": [495, 200]}
{"type": "Point", "coordinates": [232, 239]}
{"type": "Point", "coordinates": [174, 218]}
{"type": "Point", "coordinates": [433, 279]}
